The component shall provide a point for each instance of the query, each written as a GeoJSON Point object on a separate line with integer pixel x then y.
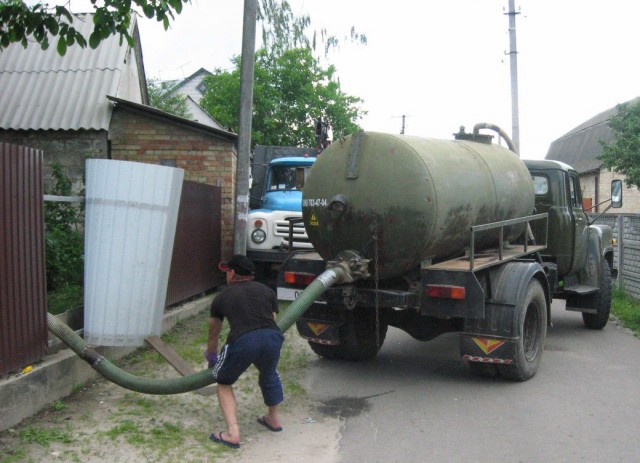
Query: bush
{"type": "Point", "coordinates": [64, 240]}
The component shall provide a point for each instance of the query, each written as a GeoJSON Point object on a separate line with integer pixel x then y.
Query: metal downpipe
{"type": "Point", "coordinates": [187, 383]}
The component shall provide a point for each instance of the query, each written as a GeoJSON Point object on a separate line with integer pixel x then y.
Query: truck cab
{"type": "Point", "coordinates": [557, 193]}
{"type": "Point", "coordinates": [580, 253]}
{"type": "Point", "coordinates": [268, 226]}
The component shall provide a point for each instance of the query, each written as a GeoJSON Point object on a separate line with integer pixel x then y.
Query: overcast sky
{"type": "Point", "coordinates": [442, 63]}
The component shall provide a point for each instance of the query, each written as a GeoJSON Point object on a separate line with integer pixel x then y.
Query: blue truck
{"type": "Point", "coordinates": [278, 175]}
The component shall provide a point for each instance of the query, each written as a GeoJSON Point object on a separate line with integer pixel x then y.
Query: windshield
{"type": "Point", "coordinates": [541, 185]}
{"type": "Point", "coordinates": [287, 178]}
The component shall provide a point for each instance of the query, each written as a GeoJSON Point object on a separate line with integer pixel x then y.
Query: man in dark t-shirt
{"type": "Point", "coordinates": [254, 338]}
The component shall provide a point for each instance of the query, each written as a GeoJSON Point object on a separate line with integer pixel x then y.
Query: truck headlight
{"type": "Point", "coordinates": [258, 236]}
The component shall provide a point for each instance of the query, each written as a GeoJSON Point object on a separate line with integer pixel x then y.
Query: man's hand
{"type": "Point", "coordinates": [211, 357]}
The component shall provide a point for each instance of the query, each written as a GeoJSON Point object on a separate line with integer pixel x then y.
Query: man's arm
{"type": "Point", "coordinates": [215, 328]}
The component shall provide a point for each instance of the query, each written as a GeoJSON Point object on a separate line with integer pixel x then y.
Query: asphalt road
{"type": "Point", "coordinates": [416, 402]}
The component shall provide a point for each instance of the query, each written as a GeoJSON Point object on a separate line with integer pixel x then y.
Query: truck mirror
{"type": "Point", "coordinates": [616, 193]}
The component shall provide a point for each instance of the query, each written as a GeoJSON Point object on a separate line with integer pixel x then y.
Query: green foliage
{"type": "Point", "coordinates": [40, 23]}
{"type": "Point", "coordinates": [64, 240]}
{"type": "Point", "coordinates": [623, 154]}
{"type": "Point", "coordinates": [162, 96]}
{"type": "Point", "coordinates": [282, 30]}
{"type": "Point", "coordinates": [627, 309]}
{"type": "Point", "coordinates": [67, 297]}
{"type": "Point", "coordinates": [163, 437]}
{"type": "Point", "coordinates": [58, 405]}
{"type": "Point", "coordinates": [44, 437]}
{"type": "Point", "coordinates": [291, 90]}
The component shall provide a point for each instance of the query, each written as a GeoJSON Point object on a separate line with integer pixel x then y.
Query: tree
{"type": "Point", "coordinates": [283, 30]}
{"type": "Point", "coordinates": [291, 90]}
{"type": "Point", "coordinates": [40, 22]}
{"type": "Point", "coordinates": [623, 154]}
{"type": "Point", "coordinates": [162, 96]}
{"type": "Point", "coordinates": [21, 23]}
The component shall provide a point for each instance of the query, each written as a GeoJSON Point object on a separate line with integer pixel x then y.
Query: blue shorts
{"type": "Point", "coordinates": [260, 348]}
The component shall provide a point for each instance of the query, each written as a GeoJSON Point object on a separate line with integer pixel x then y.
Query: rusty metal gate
{"type": "Point", "coordinates": [23, 322]}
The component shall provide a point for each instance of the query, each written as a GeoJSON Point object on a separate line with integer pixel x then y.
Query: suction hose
{"type": "Point", "coordinates": [498, 130]}
{"type": "Point", "coordinates": [191, 382]}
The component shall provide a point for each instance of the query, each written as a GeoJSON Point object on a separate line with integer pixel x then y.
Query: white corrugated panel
{"type": "Point", "coordinates": [131, 214]}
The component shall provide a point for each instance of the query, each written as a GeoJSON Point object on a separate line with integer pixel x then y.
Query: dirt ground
{"type": "Point", "coordinates": [102, 422]}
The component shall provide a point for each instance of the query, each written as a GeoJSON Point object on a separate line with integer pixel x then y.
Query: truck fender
{"type": "Point", "coordinates": [495, 343]}
{"type": "Point", "coordinates": [507, 285]}
{"type": "Point", "coordinates": [512, 281]}
{"type": "Point", "coordinates": [599, 251]}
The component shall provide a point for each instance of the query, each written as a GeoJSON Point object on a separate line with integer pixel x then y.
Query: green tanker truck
{"type": "Point", "coordinates": [436, 236]}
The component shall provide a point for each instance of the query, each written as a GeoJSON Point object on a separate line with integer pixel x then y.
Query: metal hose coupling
{"type": "Point", "coordinates": [352, 266]}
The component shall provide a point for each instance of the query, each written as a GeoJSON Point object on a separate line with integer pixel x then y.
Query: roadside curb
{"type": "Point", "coordinates": [59, 374]}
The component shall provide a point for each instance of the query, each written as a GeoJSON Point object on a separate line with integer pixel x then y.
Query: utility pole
{"type": "Point", "coordinates": [244, 126]}
{"type": "Point", "coordinates": [513, 54]}
{"type": "Point", "coordinates": [404, 116]}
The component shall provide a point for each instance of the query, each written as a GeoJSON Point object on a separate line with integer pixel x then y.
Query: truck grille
{"type": "Point", "coordinates": [300, 238]}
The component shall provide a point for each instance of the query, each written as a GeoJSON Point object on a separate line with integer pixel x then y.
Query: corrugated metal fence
{"type": "Point", "coordinates": [196, 248]}
{"type": "Point", "coordinates": [626, 230]}
{"type": "Point", "coordinates": [23, 325]}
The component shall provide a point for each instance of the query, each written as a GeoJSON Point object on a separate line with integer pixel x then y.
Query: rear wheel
{"type": "Point", "coordinates": [600, 301]}
{"type": "Point", "coordinates": [532, 319]}
{"type": "Point", "coordinates": [360, 338]}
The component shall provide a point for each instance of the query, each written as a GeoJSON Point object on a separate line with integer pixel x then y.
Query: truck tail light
{"type": "Point", "coordinates": [299, 278]}
{"type": "Point", "coordinates": [446, 291]}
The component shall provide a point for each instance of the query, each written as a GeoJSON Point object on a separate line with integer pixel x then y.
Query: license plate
{"type": "Point", "coordinates": [291, 294]}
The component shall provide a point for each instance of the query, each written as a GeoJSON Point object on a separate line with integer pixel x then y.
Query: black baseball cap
{"type": "Point", "coordinates": [240, 264]}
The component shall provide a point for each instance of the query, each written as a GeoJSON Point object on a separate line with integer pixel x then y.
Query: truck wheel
{"type": "Point", "coordinates": [532, 316]}
{"type": "Point", "coordinates": [325, 351]}
{"type": "Point", "coordinates": [358, 339]}
{"type": "Point", "coordinates": [601, 301]}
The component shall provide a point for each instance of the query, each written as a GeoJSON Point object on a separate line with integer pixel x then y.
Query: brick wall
{"type": "Point", "coordinates": [205, 156]}
{"type": "Point", "coordinates": [631, 196]}
{"type": "Point", "coordinates": [68, 148]}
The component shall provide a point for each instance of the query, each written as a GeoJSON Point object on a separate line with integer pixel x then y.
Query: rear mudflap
{"type": "Point", "coordinates": [319, 331]}
{"type": "Point", "coordinates": [485, 349]}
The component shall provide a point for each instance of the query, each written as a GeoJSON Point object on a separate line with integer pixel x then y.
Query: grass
{"type": "Point", "coordinates": [45, 437]}
{"type": "Point", "coordinates": [627, 310]}
{"type": "Point", "coordinates": [68, 297]}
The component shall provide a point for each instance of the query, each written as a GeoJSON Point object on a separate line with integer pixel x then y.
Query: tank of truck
{"type": "Point", "coordinates": [399, 200]}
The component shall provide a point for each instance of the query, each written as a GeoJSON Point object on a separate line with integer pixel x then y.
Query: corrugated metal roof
{"type": "Point", "coordinates": [580, 147]}
{"type": "Point", "coordinates": [40, 90]}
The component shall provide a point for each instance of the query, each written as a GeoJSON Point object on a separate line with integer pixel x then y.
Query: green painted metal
{"type": "Point", "coordinates": [409, 199]}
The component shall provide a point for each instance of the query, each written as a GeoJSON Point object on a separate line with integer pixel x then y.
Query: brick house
{"type": "Point", "coordinates": [580, 149]}
{"type": "Point", "coordinates": [93, 103]}
{"type": "Point", "coordinates": [58, 103]}
{"type": "Point", "coordinates": [208, 155]}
